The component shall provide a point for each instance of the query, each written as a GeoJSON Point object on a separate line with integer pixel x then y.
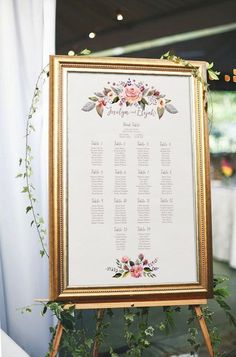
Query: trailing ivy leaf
{"type": "Point", "coordinates": [99, 94]}
{"type": "Point", "coordinates": [117, 275]}
{"type": "Point", "coordinates": [32, 222]}
{"type": "Point", "coordinates": [42, 252]}
{"type": "Point", "coordinates": [28, 209]}
{"type": "Point", "coordinates": [115, 100]}
{"type": "Point", "coordinates": [223, 304]}
{"type": "Point", "coordinates": [147, 269]}
{"type": "Point", "coordinates": [25, 189]}
{"type": "Point", "coordinates": [149, 331]}
{"type": "Point", "coordinates": [171, 109]}
{"type": "Point", "coordinates": [19, 175]}
{"type": "Point", "coordinates": [125, 274]}
{"type": "Point", "coordinates": [223, 292]}
{"type": "Point", "coordinates": [99, 110]}
{"type": "Point", "coordinates": [67, 323]}
{"type": "Point", "coordinates": [41, 220]}
{"type": "Point", "coordinates": [210, 65]}
{"type": "Point", "coordinates": [165, 55]}
{"type": "Point", "coordinates": [94, 99]}
{"type": "Point", "coordinates": [129, 317]}
{"type": "Point", "coordinates": [44, 310]}
{"type": "Point", "coordinates": [160, 112]}
{"type": "Point", "coordinates": [213, 75]}
{"type": "Point", "coordinates": [71, 309]}
{"type": "Point", "coordinates": [110, 312]}
{"type": "Point", "coordinates": [20, 161]}
{"type": "Point", "coordinates": [88, 106]}
{"type": "Point", "coordinates": [112, 353]}
{"type": "Point", "coordinates": [28, 309]}
{"type": "Point", "coordinates": [231, 318]}
{"type": "Point", "coordinates": [88, 342]}
{"type": "Point", "coordinates": [85, 52]}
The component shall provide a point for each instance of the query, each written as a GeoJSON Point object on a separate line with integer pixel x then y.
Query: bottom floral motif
{"type": "Point", "coordinates": [138, 268]}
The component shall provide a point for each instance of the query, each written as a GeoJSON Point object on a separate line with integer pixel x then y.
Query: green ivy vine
{"type": "Point", "coordinates": [77, 341]}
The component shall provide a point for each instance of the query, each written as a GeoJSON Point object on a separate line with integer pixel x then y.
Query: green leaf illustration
{"type": "Point", "coordinates": [147, 269]}
{"type": "Point", "coordinates": [142, 105]}
{"type": "Point", "coordinates": [116, 90]}
{"type": "Point", "coordinates": [117, 275]}
{"type": "Point", "coordinates": [160, 112]}
{"type": "Point", "coordinates": [94, 99]}
{"type": "Point", "coordinates": [99, 94]}
{"type": "Point", "coordinates": [88, 106]}
{"type": "Point", "coordinates": [115, 100]}
{"type": "Point", "coordinates": [143, 100]}
{"type": "Point", "coordinates": [99, 110]}
{"type": "Point", "coordinates": [171, 109]}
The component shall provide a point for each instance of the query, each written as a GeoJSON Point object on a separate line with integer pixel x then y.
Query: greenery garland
{"type": "Point", "coordinates": [138, 332]}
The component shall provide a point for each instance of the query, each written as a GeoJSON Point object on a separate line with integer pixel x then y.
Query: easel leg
{"type": "Point", "coordinates": [204, 329]}
{"type": "Point", "coordinates": [56, 340]}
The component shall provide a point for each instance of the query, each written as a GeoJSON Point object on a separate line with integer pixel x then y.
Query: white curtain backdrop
{"type": "Point", "coordinates": [27, 36]}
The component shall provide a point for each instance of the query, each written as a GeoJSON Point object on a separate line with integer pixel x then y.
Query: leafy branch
{"type": "Point", "coordinates": [26, 162]}
{"type": "Point", "coordinates": [29, 188]}
{"type": "Point", "coordinates": [213, 74]}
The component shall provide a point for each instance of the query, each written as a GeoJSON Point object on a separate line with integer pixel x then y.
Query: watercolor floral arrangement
{"type": "Point", "coordinates": [130, 93]}
{"type": "Point", "coordinates": [135, 269]}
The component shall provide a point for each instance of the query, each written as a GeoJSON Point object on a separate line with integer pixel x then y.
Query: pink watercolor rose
{"type": "Point", "coordinates": [132, 94]}
{"type": "Point", "coordinates": [136, 271]}
{"type": "Point", "coordinates": [124, 259]}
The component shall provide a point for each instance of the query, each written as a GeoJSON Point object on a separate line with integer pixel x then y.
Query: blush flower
{"type": "Point", "coordinates": [132, 94]}
{"type": "Point", "coordinates": [101, 102]}
{"type": "Point", "coordinates": [161, 103]}
{"type": "Point", "coordinates": [125, 259]}
{"type": "Point", "coordinates": [136, 271]}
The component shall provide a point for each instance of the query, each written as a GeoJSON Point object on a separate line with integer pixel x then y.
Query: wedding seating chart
{"type": "Point", "coordinates": [129, 180]}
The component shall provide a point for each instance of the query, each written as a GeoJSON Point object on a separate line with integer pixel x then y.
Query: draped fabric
{"type": "Point", "coordinates": [27, 36]}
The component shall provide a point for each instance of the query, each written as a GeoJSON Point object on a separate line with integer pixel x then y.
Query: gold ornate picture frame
{"type": "Point", "coordinates": [130, 221]}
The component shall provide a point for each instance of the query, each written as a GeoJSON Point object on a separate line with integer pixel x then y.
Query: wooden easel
{"type": "Point", "coordinates": [195, 303]}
